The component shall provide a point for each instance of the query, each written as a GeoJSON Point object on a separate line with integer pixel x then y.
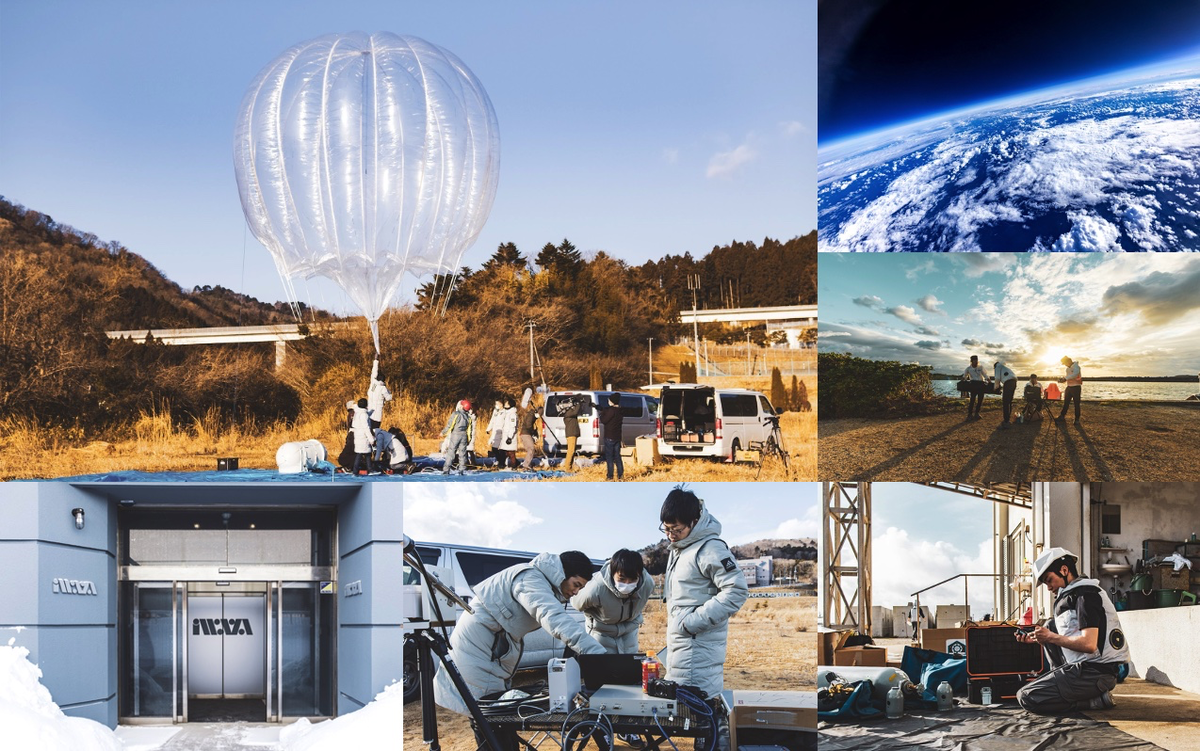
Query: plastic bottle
{"type": "Point", "coordinates": [895, 703]}
{"type": "Point", "coordinates": [945, 696]}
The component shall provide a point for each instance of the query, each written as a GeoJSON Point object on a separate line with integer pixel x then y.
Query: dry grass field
{"type": "Point", "coordinates": [772, 647]}
{"type": "Point", "coordinates": [151, 443]}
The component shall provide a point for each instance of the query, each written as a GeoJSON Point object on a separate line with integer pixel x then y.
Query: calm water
{"type": "Point", "coordinates": [1104, 390]}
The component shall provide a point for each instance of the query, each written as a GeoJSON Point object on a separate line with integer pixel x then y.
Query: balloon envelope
{"type": "Point", "coordinates": [362, 156]}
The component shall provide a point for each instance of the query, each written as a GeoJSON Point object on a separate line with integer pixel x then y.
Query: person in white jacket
{"type": "Point", "coordinates": [703, 588]}
{"type": "Point", "coordinates": [487, 644]}
{"type": "Point", "coordinates": [377, 394]}
{"type": "Point", "coordinates": [493, 431]}
{"type": "Point", "coordinates": [364, 435]}
{"type": "Point", "coordinates": [613, 602]}
{"type": "Point", "coordinates": [976, 384]}
{"type": "Point", "coordinates": [1074, 380]}
{"type": "Point", "coordinates": [506, 449]}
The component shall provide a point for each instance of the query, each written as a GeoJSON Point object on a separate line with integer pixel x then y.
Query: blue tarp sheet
{"type": "Point", "coordinates": [431, 473]}
{"type": "Point", "coordinates": [860, 705]}
{"type": "Point", "coordinates": [930, 668]}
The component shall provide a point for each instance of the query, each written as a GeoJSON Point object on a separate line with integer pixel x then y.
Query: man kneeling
{"type": "Point", "coordinates": [1084, 643]}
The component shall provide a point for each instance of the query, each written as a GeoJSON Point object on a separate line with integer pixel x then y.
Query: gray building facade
{"type": "Point", "coordinates": [163, 602]}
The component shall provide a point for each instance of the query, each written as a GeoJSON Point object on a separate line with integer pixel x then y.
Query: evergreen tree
{"type": "Point", "coordinates": [506, 254]}
{"type": "Point", "coordinates": [779, 397]}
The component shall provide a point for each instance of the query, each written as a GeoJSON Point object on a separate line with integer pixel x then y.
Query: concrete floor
{"type": "Point", "coordinates": [1162, 715]}
{"type": "Point", "coordinates": [202, 736]}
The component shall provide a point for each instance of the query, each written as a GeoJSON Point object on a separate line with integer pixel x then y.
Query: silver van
{"type": "Point", "coordinates": [698, 420]}
{"type": "Point", "coordinates": [470, 565]}
{"type": "Point", "coordinates": [639, 412]}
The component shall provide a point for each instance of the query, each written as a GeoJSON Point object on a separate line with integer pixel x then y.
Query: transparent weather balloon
{"type": "Point", "coordinates": [362, 156]}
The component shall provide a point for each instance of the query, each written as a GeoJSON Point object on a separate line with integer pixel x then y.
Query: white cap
{"type": "Point", "coordinates": [1042, 564]}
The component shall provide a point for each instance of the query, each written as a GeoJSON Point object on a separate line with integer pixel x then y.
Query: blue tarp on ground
{"type": "Point", "coordinates": [930, 668]}
{"type": "Point", "coordinates": [431, 474]}
{"type": "Point", "coordinates": [860, 705]}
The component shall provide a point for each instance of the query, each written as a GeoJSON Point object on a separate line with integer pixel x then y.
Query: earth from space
{"type": "Point", "coordinates": [1114, 170]}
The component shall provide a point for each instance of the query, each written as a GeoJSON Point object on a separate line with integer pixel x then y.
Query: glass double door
{"type": "Point", "coordinates": [268, 645]}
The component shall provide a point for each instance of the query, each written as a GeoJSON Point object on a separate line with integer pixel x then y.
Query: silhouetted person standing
{"type": "Point", "coordinates": [1074, 381]}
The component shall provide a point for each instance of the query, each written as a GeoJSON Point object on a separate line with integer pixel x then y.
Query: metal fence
{"type": "Point", "coordinates": [753, 361]}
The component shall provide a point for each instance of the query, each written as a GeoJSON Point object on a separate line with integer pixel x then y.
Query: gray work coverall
{"type": "Point", "coordinates": [613, 619]}
{"type": "Point", "coordinates": [487, 644]}
{"type": "Point", "coordinates": [703, 588]}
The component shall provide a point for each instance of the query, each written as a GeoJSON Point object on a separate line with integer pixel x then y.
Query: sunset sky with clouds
{"type": "Point", "coordinates": [1119, 315]}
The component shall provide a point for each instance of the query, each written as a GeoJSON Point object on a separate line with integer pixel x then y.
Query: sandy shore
{"type": "Point", "coordinates": [1116, 440]}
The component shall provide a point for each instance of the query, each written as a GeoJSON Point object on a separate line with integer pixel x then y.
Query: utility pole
{"type": "Point", "coordinates": [530, 324]}
{"type": "Point", "coordinates": [747, 352]}
{"type": "Point", "coordinates": [694, 286]}
{"type": "Point", "coordinates": [651, 343]}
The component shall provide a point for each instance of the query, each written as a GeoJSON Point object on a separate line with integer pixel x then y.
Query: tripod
{"type": "Point", "coordinates": [430, 643]}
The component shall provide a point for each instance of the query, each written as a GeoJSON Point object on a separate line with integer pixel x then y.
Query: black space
{"type": "Point", "coordinates": [889, 61]}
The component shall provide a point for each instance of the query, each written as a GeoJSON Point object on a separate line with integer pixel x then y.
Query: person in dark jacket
{"type": "Point", "coordinates": [569, 409]}
{"type": "Point", "coordinates": [527, 431]}
{"type": "Point", "coordinates": [612, 421]}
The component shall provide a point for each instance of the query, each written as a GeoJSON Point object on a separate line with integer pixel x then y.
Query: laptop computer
{"type": "Point", "coordinates": [610, 670]}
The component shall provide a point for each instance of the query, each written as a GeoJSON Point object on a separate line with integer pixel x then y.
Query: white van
{"type": "Point", "coordinates": [697, 420]}
{"type": "Point", "coordinates": [639, 412]}
{"type": "Point", "coordinates": [469, 566]}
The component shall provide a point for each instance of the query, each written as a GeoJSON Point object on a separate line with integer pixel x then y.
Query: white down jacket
{"type": "Point", "coordinates": [613, 619]}
{"type": "Point", "coordinates": [703, 588]}
{"type": "Point", "coordinates": [486, 645]}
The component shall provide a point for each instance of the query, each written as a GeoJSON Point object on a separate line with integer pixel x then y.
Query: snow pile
{"type": "Point", "coordinates": [31, 720]}
{"type": "Point", "coordinates": [375, 726]}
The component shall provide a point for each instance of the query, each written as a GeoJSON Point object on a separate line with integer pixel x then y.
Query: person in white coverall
{"type": "Point", "coordinates": [703, 588]}
{"type": "Point", "coordinates": [377, 394]}
{"type": "Point", "coordinates": [613, 602]}
{"type": "Point", "coordinates": [486, 645]}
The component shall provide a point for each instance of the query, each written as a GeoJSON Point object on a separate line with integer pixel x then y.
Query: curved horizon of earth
{"type": "Point", "coordinates": [1117, 170]}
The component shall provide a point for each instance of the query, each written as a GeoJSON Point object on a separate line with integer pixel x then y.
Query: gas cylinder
{"type": "Point", "coordinates": [895, 703]}
{"type": "Point", "coordinates": [651, 668]}
{"type": "Point", "coordinates": [945, 696]}
{"type": "Point", "coordinates": [985, 695]}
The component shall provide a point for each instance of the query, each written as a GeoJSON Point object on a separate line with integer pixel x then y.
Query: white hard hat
{"type": "Point", "coordinates": [1043, 562]}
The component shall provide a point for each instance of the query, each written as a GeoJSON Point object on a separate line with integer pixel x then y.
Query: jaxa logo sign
{"type": "Point", "coordinates": [221, 627]}
{"type": "Point", "coordinates": [73, 587]}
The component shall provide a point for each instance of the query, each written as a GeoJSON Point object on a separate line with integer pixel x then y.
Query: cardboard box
{"type": "Point", "coordinates": [646, 451]}
{"type": "Point", "coordinates": [827, 642]}
{"type": "Point", "coordinates": [950, 640]}
{"type": "Point", "coordinates": [864, 656]}
{"type": "Point", "coordinates": [789, 711]}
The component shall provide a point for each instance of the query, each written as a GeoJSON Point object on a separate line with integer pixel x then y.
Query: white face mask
{"type": "Point", "coordinates": [625, 589]}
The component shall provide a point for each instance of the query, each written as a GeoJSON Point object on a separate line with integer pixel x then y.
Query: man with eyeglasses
{"type": "Point", "coordinates": [703, 588]}
{"type": "Point", "coordinates": [1084, 642]}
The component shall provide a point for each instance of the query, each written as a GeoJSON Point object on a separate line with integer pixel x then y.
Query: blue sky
{"type": "Point", "coordinates": [598, 518]}
{"type": "Point", "coordinates": [923, 535]}
{"type": "Point", "coordinates": [638, 129]}
{"type": "Point", "coordinates": [1122, 314]}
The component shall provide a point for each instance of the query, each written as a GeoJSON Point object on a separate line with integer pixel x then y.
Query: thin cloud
{"type": "Point", "coordinates": [906, 314]}
{"type": "Point", "coordinates": [727, 163]}
{"type": "Point", "coordinates": [932, 304]}
{"type": "Point", "coordinates": [671, 156]}
{"type": "Point", "coordinates": [869, 301]}
{"type": "Point", "coordinates": [792, 128]}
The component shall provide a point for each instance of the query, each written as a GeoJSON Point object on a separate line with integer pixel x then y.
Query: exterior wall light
{"type": "Point", "coordinates": [78, 514]}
